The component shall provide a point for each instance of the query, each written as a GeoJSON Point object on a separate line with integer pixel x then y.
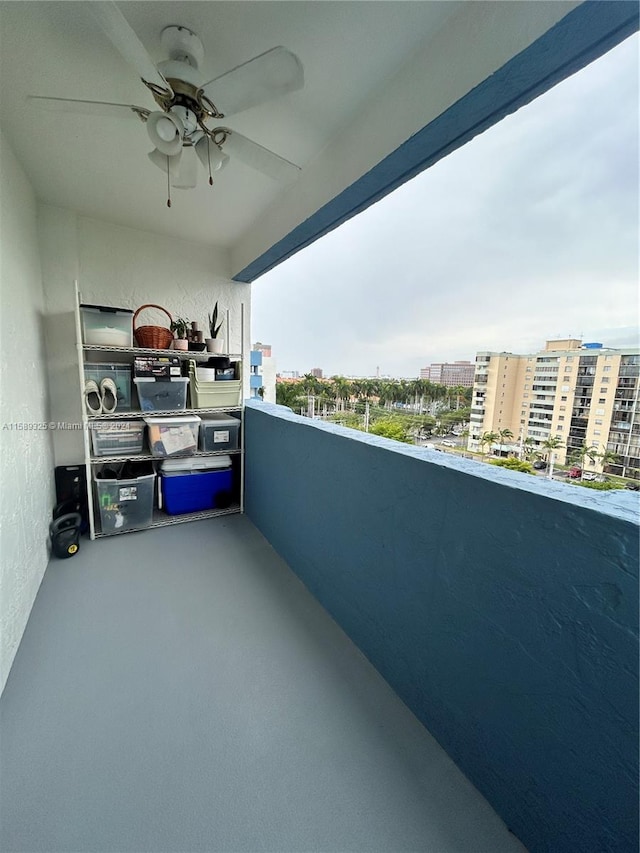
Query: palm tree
{"type": "Point", "coordinates": [429, 391]}
{"type": "Point", "coordinates": [311, 384]}
{"type": "Point", "coordinates": [582, 453]}
{"type": "Point", "coordinates": [326, 396]}
{"type": "Point", "coordinates": [502, 434]}
{"type": "Point", "coordinates": [549, 445]}
{"type": "Point", "coordinates": [416, 387]}
{"type": "Point", "coordinates": [342, 388]}
{"type": "Point", "coordinates": [405, 392]}
{"type": "Point", "coordinates": [343, 391]}
{"type": "Point", "coordinates": [290, 394]}
{"type": "Point", "coordinates": [361, 388]}
{"type": "Point", "coordinates": [386, 393]}
{"type": "Point", "coordinates": [528, 447]}
{"type": "Point", "coordinates": [454, 393]}
{"type": "Point", "coordinates": [487, 438]}
{"type": "Point", "coordinates": [608, 457]}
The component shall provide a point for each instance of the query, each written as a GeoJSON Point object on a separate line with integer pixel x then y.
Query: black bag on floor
{"type": "Point", "coordinates": [64, 531]}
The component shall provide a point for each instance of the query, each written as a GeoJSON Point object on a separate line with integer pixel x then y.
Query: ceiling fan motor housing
{"type": "Point", "coordinates": [182, 45]}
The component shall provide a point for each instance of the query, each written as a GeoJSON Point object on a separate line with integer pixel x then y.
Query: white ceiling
{"type": "Point", "coordinates": [98, 166]}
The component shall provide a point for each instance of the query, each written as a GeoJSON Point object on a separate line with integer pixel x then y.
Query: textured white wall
{"type": "Point", "coordinates": [119, 266]}
{"type": "Point", "coordinates": [26, 462]}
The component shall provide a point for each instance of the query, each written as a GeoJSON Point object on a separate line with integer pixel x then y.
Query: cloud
{"type": "Point", "coordinates": [528, 231]}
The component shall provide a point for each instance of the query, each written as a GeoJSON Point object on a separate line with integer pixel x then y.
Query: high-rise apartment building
{"type": "Point", "coordinates": [262, 380]}
{"type": "Point", "coordinates": [586, 394]}
{"type": "Point", "coordinates": [449, 373]}
{"type": "Point", "coordinates": [265, 349]}
{"type": "Point", "coordinates": [317, 372]}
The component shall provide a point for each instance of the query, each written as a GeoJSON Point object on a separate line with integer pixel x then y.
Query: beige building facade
{"type": "Point", "coordinates": [450, 373]}
{"type": "Point", "coordinates": [584, 394]}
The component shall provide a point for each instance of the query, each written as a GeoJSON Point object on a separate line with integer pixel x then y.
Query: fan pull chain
{"type": "Point", "coordinates": [209, 159]}
{"type": "Point", "coordinates": [168, 185]}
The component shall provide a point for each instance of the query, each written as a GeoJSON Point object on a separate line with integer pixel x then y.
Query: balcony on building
{"type": "Point", "coordinates": [391, 649]}
{"type": "Point", "coordinates": [370, 588]}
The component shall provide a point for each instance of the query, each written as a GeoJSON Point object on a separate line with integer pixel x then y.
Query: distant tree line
{"type": "Point", "coordinates": [338, 392]}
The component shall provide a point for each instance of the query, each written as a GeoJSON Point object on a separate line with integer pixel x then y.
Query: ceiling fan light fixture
{"type": "Point", "coordinates": [211, 155]}
{"type": "Point", "coordinates": [165, 132]}
{"type": "Point", "coordinates": [163, 162]}
{"type": "Point", "coordinates": [185, 176]}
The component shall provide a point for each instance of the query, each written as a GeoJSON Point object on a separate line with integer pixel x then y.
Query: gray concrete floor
{"type": "Point", "coordinates": [180, 690]}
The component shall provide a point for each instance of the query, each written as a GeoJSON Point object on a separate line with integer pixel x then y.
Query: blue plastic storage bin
{"type": "Point", "coordinates": [196, 491]}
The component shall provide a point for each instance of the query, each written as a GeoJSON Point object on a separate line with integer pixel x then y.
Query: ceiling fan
{"type": "Point", "coordinates": [179, 129]}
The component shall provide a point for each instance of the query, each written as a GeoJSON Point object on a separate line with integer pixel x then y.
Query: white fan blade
{"type": "Point", "coordinates": [267, 76]}
{"type": "Point", "coordinates": [118, 30]}
{"type": "Point", "coordinates": [71, 105]}
{"type": "Point", "coordinates": [259, 158]}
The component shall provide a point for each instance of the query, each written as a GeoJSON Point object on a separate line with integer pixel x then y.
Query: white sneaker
{"type": "Point", "coordinates": [109, 394]}
{"type": "Point", "coordinates": [92, 397]}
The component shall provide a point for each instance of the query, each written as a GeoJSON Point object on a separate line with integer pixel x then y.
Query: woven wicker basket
{"type": "Point", "coordinates": [152, 337]}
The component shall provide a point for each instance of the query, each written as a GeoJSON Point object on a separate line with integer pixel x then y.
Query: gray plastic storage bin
{"type": "Point", "coordinates": [121, 375]}
{"type": "Point", "coordinates": [117, 438]}
{"type": "Point", "coordinates": [162, 395]}
{"type": "Point", "coordinates": [125, 504]}
{"type": "Point", "coordinates": [219, 432]}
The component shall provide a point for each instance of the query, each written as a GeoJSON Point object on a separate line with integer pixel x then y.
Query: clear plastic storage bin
{"type": "Point", "coordinates": [162, 395]}
{"type": "Point", "coordinates": [219, 432]}
{"type": "Point", "coordinates": [121, 375]}
{"type": "Point", "coordinates": [111, 327]}
{"type": "Point", "coordinates": [173, 436]}
{"type": "Point", "coordinates": [125, 504]}
{"type": "Point", "coordinates": [117, 438]}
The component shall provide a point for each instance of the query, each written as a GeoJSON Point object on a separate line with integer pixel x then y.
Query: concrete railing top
{"type": "Point", "coordinates": [618, 503]}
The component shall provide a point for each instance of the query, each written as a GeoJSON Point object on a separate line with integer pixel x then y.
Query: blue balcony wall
{"type": "Point", "coordinates": [502, 608]}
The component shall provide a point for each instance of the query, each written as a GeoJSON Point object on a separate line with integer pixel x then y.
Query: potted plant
{"type": "Point", "coordinates": [214, 343]}
{"type": "Point", "coordinates": [180, 326]}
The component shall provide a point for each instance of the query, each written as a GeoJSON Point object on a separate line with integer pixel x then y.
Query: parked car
{"type": "Point", "coordinates": [633, 487]}
{"type": "Point", "coordinates": [575, 472]}
{"type": "Point", "coordinates": [448, 443]}
{"type": "Point", "coordinates": [539, 465]}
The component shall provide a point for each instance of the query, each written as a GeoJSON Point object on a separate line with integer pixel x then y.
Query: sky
{"type": "Point", "coordinates": [528, 232]}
